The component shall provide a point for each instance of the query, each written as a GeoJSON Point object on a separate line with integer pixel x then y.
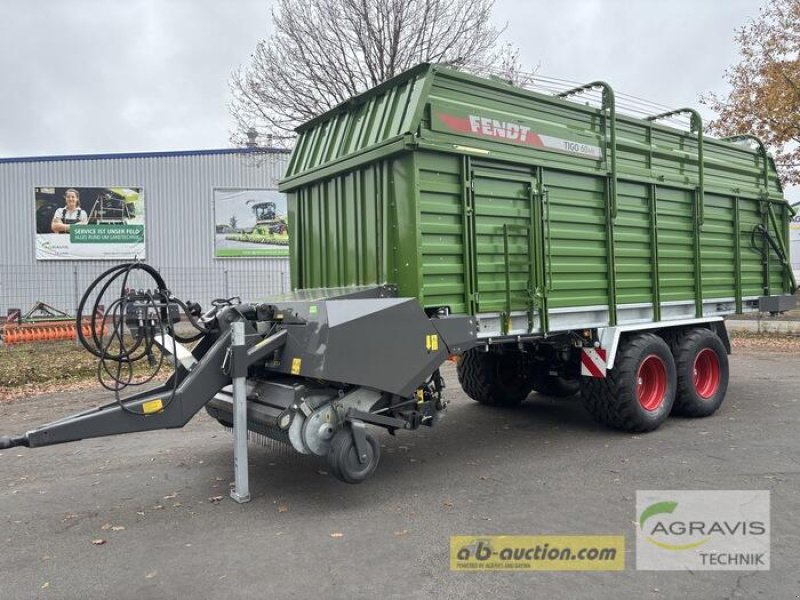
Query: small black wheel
{"type": "Point", "coordinates": [343, 457]}
{"type": "Point", "coordinates": [553, 385]}
{"type": "Point", "coordinates": [495, 379]}
{"type": "Point", "coordinates": [702, 366]}
{"type": "Point", "coordinates": [638, 393]}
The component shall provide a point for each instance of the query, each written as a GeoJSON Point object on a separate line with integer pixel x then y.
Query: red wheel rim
{"type": "Point", "coordinates": [706, 373]}
{"type": "Point", "coordinates": [651, 382]}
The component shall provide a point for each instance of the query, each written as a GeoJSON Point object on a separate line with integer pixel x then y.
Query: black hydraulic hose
{"type": "Point", "coordinates": [115, 349]}
{"type": "Point", "coordinates": [129, 382]}
{"type": "Point", "coordinates": [112, 275]}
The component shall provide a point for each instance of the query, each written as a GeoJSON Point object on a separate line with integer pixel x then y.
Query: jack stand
{"type": "Point", "coordinates": [241, 489]}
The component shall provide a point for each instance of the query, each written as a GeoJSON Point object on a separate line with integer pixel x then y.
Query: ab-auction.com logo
{"type": "Point", "coordinates": [700, 529]}
{"type": "Point", "coordinates": [537, 553]}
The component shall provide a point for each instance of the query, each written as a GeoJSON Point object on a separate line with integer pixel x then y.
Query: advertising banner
{"type": "Point", "coordinates": [89, 223]}
{"type": "Point", "coordinates": [250, 223]}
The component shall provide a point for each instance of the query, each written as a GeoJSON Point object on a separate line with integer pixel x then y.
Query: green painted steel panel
{"type": "Point", "coordinates": [361, 124]}
{"type": "Point", "coordinates": [718, 247]}
{"type": "Point", "coordinates": [634, 248]}
{"type": "Point", "coordinates": [501, 200]}
{"type": "Point", "coordinates": [442, 225]}
{"type": "Point", "coordinates": [340, 230]}
{"type": "Point", "coordinates": [481, 197]}
{"type": "Point", "coordinates": [576, 239]}
{"type": "Point", "coordinates": [675, 244]}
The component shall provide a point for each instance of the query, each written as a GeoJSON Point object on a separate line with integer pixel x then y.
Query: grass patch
{"type": "Point", "coordinates": [53, 362]}
{"type": "Point", "coordinates": [766, 342]}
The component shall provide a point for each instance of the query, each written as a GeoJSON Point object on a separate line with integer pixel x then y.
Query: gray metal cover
{"type": "Point", "coordinates": [777, 304]}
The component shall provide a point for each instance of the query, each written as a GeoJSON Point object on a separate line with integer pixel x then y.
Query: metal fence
{"type": "Point", "coordinates": [61, 285]}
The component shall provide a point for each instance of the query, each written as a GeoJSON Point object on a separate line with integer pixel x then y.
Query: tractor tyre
{"type": "Point", "coordinates": [495, 379]}
{"type": "Point", "coordinates": [702, 369]}
{"type": "Point", "coordinates": [637, 395]}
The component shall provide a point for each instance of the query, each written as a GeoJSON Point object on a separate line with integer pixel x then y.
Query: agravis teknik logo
{"type": "Point", "coordinates": [702, 529]}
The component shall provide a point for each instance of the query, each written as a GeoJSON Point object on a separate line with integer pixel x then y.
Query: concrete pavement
{"type": "Point", "coordinates": [541, 468]}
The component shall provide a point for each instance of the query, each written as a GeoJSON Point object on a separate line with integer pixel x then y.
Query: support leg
{"type": "Point", "coordinates": [241, 489]}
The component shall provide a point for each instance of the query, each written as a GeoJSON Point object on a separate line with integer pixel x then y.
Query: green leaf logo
{"type": "Point", "coordinates": [659, 508]}
{"type": "Point", "coordinates": [656, 509]}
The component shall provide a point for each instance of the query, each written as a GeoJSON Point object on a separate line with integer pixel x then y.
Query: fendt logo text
{"type": "Point", "coordinates": [499, 129]}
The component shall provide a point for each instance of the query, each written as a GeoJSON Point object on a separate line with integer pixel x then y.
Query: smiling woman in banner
{"type": "Point", "coordinates": [70, 214]}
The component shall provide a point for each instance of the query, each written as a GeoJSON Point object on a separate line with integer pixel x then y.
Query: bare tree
{"type": "Point", "coordinates": [325, 51]}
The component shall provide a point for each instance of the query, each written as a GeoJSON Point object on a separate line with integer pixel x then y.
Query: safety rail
{"type": "Point", "coordinates": [696, 127]}
{"type": "Point", "coordinates": [609, 109]}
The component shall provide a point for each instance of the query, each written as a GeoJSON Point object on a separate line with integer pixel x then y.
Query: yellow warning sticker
{"type": "Point", "coordinates": [296, 364]}
{"type": "Point", "coordinates": [432, 343]}
{"type": "Point", "coordinates": [152, 406]}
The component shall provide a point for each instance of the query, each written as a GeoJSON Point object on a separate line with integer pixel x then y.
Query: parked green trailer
{"type": "Point", "coordinates": [579, 239]}
{"type": "Point", "coordinates": [548, 245]}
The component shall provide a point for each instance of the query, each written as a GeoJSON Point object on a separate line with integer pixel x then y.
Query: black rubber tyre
{"type": "Point", "coordinates": [638, 393]}
{"type": "Point", "coordinates": [702, 368]}
{"type": "Point", "coordinates": [343, 458]}
{"type": "Point", "coordinates": [552, 385]}
{"type": "Point", "coordinates": [495, 379]}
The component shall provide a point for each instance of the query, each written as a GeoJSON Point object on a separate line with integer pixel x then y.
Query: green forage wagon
{"type": "Point", "coordinates": [595, 252]}
{"type": "Point", "coordinates": [549, 245]}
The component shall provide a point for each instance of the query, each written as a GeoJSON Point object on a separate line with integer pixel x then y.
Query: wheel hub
{"type": "Point", "coordinates": [651, 382]}
{"type": "Point", "coordinates": [706, 373]}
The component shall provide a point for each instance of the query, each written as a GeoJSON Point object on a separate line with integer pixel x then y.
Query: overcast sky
{"type": "Point", "coordinates": [95, 76]}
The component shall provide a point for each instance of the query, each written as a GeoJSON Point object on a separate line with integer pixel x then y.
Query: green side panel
{"type": "Point", "coordinates": [502, 217]}
{"type": "Point", "coordinates": [481, 197]}
{"type": "Point", "coordinates": [633, 245]}
{"type": "Point", "coordinates": [752, 268]}
{"type": "Point", "coordinates": [443, 229]}
{"type": "Point", "coordinates": [404, 221]}
{"type": "Point", "coordinates": [575, 239]}
{"type": "Point", "coordinates": [782, 217]}
{"type": "Point", "coordinates": [675, 244]}
{"type": "Point", "coordinates": [363, 123]}
{"type": "Point", "coordinates": [657, 152]}
{"type": "Point", "coordinates": [340, 229]}
{"type": "Point", "coordinates": [511, 124]}
{"type": "Point", "coordinates": [718, 247]}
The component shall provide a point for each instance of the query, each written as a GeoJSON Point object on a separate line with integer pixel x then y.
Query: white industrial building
{"type": "Point", "coordinates": [175, 208]}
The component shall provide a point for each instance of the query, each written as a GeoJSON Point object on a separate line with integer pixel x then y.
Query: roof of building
{"type": "Point", "coordinates": [128, 155]}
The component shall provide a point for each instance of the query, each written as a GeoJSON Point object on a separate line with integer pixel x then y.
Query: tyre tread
{"type": "Point", "coordinates": [610, 400]}
{"type": "Point", "coordinates": [682, 343]}
{"type": "Point", "coordinates": [477, 377]}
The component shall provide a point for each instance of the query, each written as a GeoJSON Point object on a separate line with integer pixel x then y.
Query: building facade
{"type": "Point", "coordinates": [212, 221]}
